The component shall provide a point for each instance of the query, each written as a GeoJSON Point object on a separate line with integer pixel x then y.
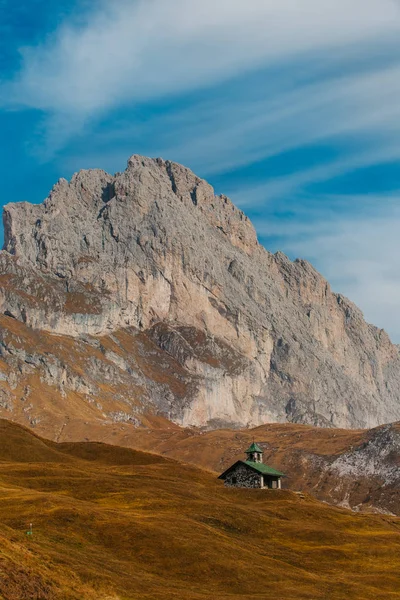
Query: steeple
{"type": "Point", "coordinates": [254, 453]}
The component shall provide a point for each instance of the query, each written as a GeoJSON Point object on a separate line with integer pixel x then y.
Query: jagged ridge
{"type": "Point", "coordinates": [152, 251]}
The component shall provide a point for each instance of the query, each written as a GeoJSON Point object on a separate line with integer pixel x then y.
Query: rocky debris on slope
{"type": "Point", "coordinates": [373, 466]}
{"type": "Point", "coordinates": [255, 337]}
{"type": "Point", "coordinates": [373, 457]}
{"type": "Point", "coordinates": [362, 474]}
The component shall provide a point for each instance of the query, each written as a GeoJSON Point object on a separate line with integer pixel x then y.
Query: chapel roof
{"type": "Point", "coordinates": [253, 448]}
{"type": "Point", "coordinates": [264, 469]}
{"type": "Point", "coordinates": [259, 467]}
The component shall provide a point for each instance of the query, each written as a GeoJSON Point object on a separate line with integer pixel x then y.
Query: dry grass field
{"type": "Point", "coordinates": [111, 523]}
{"type": "Point", "coordinates": [306, 454]}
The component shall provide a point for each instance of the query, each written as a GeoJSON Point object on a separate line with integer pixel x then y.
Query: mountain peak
{"type": "Point", "coordinates": [153, 251]}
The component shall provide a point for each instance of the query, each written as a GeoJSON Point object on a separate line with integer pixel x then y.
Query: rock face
{"type": "Point", "coordinates": [182, 312]}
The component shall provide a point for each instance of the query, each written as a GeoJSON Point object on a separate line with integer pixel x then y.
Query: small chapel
{"type": "Point", "coordinates": [252, 472]}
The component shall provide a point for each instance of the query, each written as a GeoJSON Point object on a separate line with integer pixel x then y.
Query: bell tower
{"type": "Point", "coordinates": [254, 453]}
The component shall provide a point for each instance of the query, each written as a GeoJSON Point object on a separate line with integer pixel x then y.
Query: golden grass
{"type": "Point", "coordinates": [216, 450]}
{"type": "Point", "coordinates": [117, 524]}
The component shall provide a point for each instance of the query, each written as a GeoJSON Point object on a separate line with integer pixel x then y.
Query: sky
{"type": "Point", "coordinates": [290, 108]}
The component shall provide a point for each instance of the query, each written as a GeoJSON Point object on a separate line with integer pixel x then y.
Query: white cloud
{"type": "Point", "coordinates": [276, 121]}
{"type": "Point", "coordinates": [292, 184]}
{"type": "Point", "coordinates": [274, 115]}
{"type": "Point", "coordinates": [129, 50]}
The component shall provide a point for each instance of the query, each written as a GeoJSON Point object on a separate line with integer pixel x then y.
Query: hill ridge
{"type": "Point", "coordinates": [154, 528]}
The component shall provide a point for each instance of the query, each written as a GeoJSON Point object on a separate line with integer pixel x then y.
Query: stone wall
{"type": "Point", "coordinates": [245, 477]}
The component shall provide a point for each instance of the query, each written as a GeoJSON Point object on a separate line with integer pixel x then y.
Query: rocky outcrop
{"type": "Point", "coordinates": [152, 254]}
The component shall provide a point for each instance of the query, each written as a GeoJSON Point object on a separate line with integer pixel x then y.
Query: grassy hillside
{"type": "Point", "coordinates": [308, 455]}
{"type": "Point", "coordinates": [115, 524]}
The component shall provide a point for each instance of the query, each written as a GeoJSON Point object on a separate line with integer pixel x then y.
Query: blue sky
{"type": "Point", "coordinates": [291, 108]}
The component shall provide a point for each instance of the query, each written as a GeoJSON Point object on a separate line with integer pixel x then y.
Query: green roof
{"type": "Point", "coordinates": [253, 448]}
{"type": "Point", "coordinates": [259, 467]}
{"type": "Point", "coordinates": [264, 469]}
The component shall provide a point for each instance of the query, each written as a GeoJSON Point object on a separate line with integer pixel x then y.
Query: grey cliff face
{"type": "Point", "coordinates": [153, 251]}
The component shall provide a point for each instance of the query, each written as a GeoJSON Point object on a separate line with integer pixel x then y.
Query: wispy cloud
{"type": "Point", "coordinates": [257, 117]}
{"type": "Point", "coordinates": [130, 50]}
{"type": "Point", "coordinates": [361, 105]}
{"type": "Point", "coordinates": [293, 183]}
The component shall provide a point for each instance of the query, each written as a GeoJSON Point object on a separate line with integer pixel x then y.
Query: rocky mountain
{"type": "Point", "coordinates": [144, 296]}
